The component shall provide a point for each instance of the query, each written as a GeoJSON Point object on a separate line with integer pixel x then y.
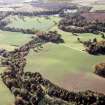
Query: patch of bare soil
{"type": "Point", "coordinates": [83, 81]}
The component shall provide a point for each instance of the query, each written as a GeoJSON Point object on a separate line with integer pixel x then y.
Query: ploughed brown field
{"type": "Point", "coordinates": [82, 82]}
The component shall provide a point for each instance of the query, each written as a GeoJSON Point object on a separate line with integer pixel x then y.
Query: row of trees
{"type": "Point", "coordinates": [100, 69]}
{"type": "Point", "coordinates": [79, 24]}
{"type": "Point", "coordinates": [31, 88]}
{"type": "Point", "coordinates": [38, 13]}
{"type": "Point", "coordinates": [25, 31]}
{"type": "Point", "coordinates": [94, 46]}
{"type": "Point", "coordinates": [3, 15]}
{"type": "Point", "coordinates": [51, 36]}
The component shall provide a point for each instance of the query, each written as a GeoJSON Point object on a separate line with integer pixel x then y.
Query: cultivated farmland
{"type": "Point", "coordinates": [73, 64]}
{"type": "Point", "coordinates": [64, 64]}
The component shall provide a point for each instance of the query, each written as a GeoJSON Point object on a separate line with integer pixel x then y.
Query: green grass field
{"type": "Point", "coordinates": [64, 58]}
{"type": "Point", "coordinates": [9, 40]}
{"type": "Point", "coordinates": [54, 61]}
{"type": "Point", "coordinates": [36, 23]}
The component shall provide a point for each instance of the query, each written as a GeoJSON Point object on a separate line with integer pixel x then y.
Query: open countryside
{"type": "Point", "coordinates": [66, 64]}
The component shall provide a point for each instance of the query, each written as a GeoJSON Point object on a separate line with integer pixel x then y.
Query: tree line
{"type": "Point", "coordinates": [32, 88]}
{"type": "Point", "coordinates": [79, 24]}
{"type": "Point", "coordinates": [94, 46]}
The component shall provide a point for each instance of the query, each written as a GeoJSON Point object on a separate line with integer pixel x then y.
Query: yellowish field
{"type": "Point", "coordinates": [98, 7]}
{"type": "Point", "coordinates": [35, 23]}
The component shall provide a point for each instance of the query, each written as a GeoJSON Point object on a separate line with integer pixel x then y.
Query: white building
{"type": "Point", "coordinates": [70, 11]}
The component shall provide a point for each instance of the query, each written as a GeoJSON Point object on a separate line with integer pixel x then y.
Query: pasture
{"type": "Point", "coordinates": [59, 62]}
{"type": "Point", "coordinates": [35, 23]}
{"type": "Point", "coordinates": [64, 64]}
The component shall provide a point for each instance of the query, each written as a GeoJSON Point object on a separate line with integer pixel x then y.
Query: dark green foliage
{"type": "Point", "coordinates": [100, 69]}
{"type": "Point", "coordinates": [79, 24]}
{"type": "Point", "coordinates": [51, 36]}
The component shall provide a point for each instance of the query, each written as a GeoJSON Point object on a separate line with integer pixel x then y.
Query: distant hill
{"type": "Point", "coordinates": [16, 1]}
{"type": "Point", "coordinates": [73, 1]}
{"type": "Point", "coordinates": [20, 1]}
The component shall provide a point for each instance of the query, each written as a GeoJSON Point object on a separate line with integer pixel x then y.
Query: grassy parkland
{"type": "Point", "coordinates": [54, 61]}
